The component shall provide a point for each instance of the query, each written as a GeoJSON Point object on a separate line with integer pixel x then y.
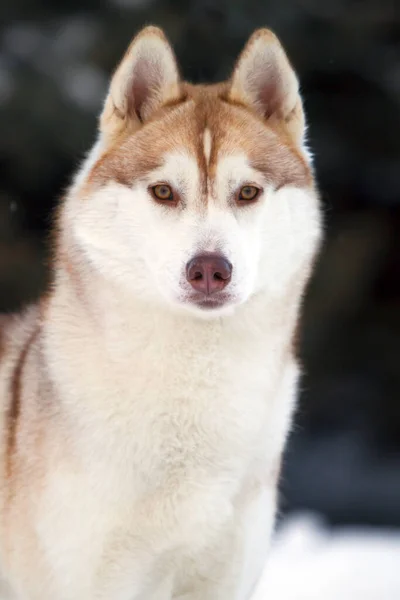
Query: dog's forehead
{"type": "Point", "coordinates": [205, 134]}
{"type": "Point", "coordinates": [208, 132]}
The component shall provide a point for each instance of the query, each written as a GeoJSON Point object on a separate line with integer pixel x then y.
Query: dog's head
{"type": "Point", "coordinates": [199, 196]}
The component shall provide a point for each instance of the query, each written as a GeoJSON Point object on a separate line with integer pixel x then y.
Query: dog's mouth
{"type": "Point", "coordinates": [209, 302]}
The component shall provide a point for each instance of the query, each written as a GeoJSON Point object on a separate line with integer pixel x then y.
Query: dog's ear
{"type": "Point", "coordinates": [146, 78]}
{"type": "Point", "coordinates": [264, 80]}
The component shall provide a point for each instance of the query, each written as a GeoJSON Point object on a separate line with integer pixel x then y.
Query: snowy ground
{"type": "Point", "coordinates": [310, 563]}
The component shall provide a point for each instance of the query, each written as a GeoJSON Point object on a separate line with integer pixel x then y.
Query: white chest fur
{"type": "Point", "coordinates": [177, 419]}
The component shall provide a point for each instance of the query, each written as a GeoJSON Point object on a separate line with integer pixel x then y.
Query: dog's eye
{"type": "Point", "coordinates": [248, 193]}
{"type": "Point", "coordinates": [162, 192]}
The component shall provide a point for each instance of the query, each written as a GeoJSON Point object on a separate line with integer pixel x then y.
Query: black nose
{"type": "Point", "coordinates": [208, 273]}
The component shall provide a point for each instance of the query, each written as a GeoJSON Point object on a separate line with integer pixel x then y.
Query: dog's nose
{"type": "Point", "coordinates": [208, 273]}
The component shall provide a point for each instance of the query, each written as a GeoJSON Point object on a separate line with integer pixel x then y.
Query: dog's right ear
{"type": "Point", "coordinates": [265, 81]}
{"type": "Point", "coordinates": [146, 78]}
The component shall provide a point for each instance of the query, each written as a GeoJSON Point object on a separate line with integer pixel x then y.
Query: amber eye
{"type": "Point", "coordinates": [249, 192]}
{"type": "Point", "coordinates": [162, 192]}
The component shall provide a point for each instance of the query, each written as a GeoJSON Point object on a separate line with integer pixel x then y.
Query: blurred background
{"type": "Point", "coordinates": [343, 459]}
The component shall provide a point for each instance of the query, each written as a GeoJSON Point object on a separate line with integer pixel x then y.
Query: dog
{"type": "Point", "coordinates": [147, 396]}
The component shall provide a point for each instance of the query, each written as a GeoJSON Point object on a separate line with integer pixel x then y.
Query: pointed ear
{"type": "Point", "coordinates": [264, 80]}
{"type": "Point", "coordinates": [146, 78]}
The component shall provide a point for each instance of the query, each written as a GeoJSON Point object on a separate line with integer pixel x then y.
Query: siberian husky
{"type": "Point", "coordinates": [146, 398]}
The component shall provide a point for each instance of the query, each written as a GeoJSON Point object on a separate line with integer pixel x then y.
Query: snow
{"type": "Point", "coordinates": [309, 562]}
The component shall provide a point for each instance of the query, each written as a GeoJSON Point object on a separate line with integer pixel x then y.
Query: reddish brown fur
{"type": "Point", "coordinates": [14, 409]}
{"type": "Point", "coordinates": [181, 125]}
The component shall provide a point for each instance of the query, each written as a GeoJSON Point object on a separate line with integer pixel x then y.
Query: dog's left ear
{"type": "Point", "coordinates": [146, 78]}
{"type": "Point", "coordinates": [264, 80]}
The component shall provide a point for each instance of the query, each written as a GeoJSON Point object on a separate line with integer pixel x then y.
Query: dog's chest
{"type": "Point", "coordinates": [169, 405]}
{"type": "Point", "coordinates": [173, 410]}
{"type": "Point", "coordinates": [168, 437]}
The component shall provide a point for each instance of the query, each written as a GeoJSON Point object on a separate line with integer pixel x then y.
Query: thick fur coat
{"type": "Point", "coordinates": [145, 407]}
